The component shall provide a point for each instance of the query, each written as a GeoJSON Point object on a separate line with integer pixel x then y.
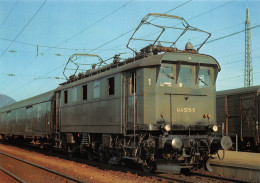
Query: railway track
{"type": "Point", "coordinates": [187, 177]}
{"type": "Point", "coordinates": [9, 165]}
{"type": "Point", "coordinates": [191, 177]}
{"type": "Point", "coordinates": [7, 176]}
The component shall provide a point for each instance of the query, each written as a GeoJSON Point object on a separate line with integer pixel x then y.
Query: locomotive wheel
{"type": "Point", "coordinates": [72, 150]}
{"type": "Point", "coordinates": [149, 166]}
{"type": "Point", "coordinates": [90, 156]}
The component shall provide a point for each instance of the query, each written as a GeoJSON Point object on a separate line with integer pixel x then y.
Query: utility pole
{"type": "Point", "coordinates": [248, 73]}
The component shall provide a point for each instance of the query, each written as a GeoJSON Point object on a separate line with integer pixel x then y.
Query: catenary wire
{"type": "Point", "coordinates": [213, 9]}
{"type": "Point", "coordinates": [24, 27]}
{"type": "Point", "coordinates": [24, 75]}
{"type": "Point", "coordinates": [8, 14]}
{"type": "Point", "coordinates": [238, 61]}
{"type": "Point", "coordinates": [134, 28]}
{"type": "Point", "coordinates": [114, 48]}
{"type": "Point", "coordinates": [235, 54]}
{"type": "Point", "coordinates": [235, 33]}
{"type": "Point", "coordinates": [75, 35]}
{"type": "Point", "coordinates": [234, 77]}
{"type": "Point", "coordinates": [34, 80]}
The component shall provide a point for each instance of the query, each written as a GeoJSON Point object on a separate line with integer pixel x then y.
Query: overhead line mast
{"type": "Point", "coordinates": [248, 73]}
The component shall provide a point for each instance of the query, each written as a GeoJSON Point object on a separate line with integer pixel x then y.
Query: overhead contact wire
{"type": "Point", "coordinates": [168, 12]}
{"type": "Point", "coordinates": [134, 28]}
{"type": "Point", "coordinates": [24, 28]}
{"type": "Point", "coordinates": [91, 25]}
{"type": "Point", "coordinates": [8, 14]}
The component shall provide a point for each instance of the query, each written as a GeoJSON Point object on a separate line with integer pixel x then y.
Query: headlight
{"type": "Point", "coordinates": [215, 128]}
{"type": "Point", "coordinates": [176, 143]}
{"type": "Point", "coordinates": [167, 128]}
{"type": "Point", "coordinates": [226, 142]}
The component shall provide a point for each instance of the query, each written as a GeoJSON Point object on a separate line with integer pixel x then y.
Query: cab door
{"type": "Point", "coordinates": [131, 99]}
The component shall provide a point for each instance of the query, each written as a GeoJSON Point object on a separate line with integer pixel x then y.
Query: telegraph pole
{"type": "Point", "coordinates": [248, 73]}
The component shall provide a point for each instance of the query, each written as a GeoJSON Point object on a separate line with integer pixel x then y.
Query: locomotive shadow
{"type": "Point", "coordinates": [125, 167]}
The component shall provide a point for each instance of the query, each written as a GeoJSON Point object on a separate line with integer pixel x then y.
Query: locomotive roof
{"type": "Point", "coordinates": [253, 89]}
{"type": "Point", "coordinates": [149, 60]}
{"type": "Point", "coordinates": [28, 102]}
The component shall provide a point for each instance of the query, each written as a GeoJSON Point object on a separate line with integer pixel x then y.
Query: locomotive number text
{"type": "Point", "coordinates": [185, 109]}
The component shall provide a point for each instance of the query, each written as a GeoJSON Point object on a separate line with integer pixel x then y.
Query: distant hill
{"type": "Point", "coordinates": [5, 100]}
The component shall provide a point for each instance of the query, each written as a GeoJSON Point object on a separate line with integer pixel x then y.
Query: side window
{"type": "Point", "coordinates": [84, 92]}
{"type": "Point", "coordinates": [65, 97]}
{"type": "Point", "coordinates": [96, 89]}
{"type": "Point", "coordinates": [111, 86]}
{"type": "Point", "coordinates": [74, 94]}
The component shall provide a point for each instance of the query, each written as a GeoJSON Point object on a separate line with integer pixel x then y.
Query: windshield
{"type": "Point", "coordinates": [166, 75]}
{"type": "Point", "coordinates": [185, 78]}
{"type": "Point", "coordinates": [204, 77]}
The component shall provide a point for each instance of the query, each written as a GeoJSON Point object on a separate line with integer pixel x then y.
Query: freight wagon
{"type": "Point", "coordinates": [238, 113]}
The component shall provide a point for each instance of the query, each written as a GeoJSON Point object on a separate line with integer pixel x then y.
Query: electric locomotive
{"type": "Point", "coordinates": [157, 109]}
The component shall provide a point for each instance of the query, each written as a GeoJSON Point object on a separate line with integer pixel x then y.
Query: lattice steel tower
{"type": "Point", "coordinates": [248, 77]}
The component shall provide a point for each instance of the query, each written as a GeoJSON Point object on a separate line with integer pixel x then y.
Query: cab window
{"type": "Point", "coordinates": [204, 77]}
{"type": "Point", "coordinates": [65, 97]}
{"type": "Point", "coordinates": [185, 78]}
{"type": "Point", "coordinates": [166, 77]}
{"type": "Point", "coordinates": [84, 92]}
{"type": "Point", "coordinates": [111, 86]}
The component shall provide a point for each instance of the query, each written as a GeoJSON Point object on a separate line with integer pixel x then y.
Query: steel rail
{"type": "Point", "coordinates": [46, 169]}
{"type": "Point", "coordinates": [12, 175]}
{"type": "Point", "coordinates": [213, 177]}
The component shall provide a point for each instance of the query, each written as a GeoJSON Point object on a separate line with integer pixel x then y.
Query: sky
{"type": "Point", "coordinates": [37, 37]}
